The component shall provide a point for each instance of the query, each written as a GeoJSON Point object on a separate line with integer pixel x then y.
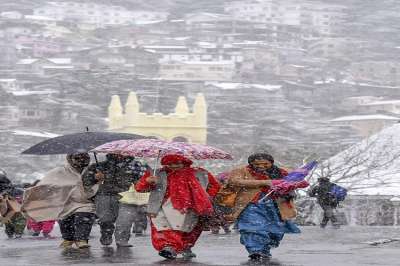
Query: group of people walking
{"type": "Point", "coordinates": [79, 193]}
{"type": "Point", "coordinates": [184, 200]}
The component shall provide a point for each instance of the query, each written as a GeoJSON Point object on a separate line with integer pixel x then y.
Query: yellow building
{"type": "Point", "coordinates": [183, 125]}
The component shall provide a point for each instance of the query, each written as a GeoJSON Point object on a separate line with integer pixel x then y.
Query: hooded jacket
{"type": "Point", "coordinates": [120, 175]}
{"type": "Point", "coordinates": [322, 193]}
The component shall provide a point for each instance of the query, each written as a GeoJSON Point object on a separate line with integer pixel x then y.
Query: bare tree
{"type": "Point", "coordinates": [365, 165]}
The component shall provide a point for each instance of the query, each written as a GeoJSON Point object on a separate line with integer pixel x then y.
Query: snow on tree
{"type": "Point", "coordinates": [371, 167]}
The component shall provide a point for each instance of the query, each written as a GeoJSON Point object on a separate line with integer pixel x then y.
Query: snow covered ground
{"type": "Point", "coordinates": [346, 246]}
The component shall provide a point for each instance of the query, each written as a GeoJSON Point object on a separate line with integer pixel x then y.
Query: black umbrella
{"type": "Point", "coordinates": [77, 143]}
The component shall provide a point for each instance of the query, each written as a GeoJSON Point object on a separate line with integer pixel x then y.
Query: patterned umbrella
{"type": "Point", "coordinates": [152, 148]}
{"type": "Point", "coordinates": [294, 180]}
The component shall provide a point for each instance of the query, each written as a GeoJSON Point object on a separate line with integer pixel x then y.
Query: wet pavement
{"type": "Point", "coordinates": [314, 246]}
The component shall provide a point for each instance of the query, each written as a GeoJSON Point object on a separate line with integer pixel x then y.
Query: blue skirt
{"type": "Point", "coordinates": [262, 228]}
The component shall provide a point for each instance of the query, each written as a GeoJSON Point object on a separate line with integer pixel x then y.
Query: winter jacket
{"type": "Point", "coordinates": [247, 195]}
{"type": "Point", "coordinates": [5, 184]}
{"type": "Point", "coordinates": [323, 194]}
{"type": "Point", "coordinates": [119, 176]}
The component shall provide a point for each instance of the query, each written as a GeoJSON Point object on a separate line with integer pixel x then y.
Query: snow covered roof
{"type": "Point", "coordinates": [60, 60]}
{"type": "Point", "coordinates": [59, 29]}
{"type": "Point", "coordinates": [224, 85]}
{"type": "Point", "coordinates": [298, 66]}
{"type": "Point", "coordinates": [208, 62]}
{"type": "Point", "coordinates": [364, 117]}
{"type": "Point", "coordinates": [207, 44]}
{"type": "Point", "coordinates": [235, 86]}
{"type": "Point", "coordinates": [376, 85]}
{"type": "Point", "coordinates": [371, 167]}
{"type": "Point", "coordinates": [161, 47]}
{"type": "Point", "coordinates": [58, 67]}
{"type": "Point", "coordinates": [41, 18]}
{"type": "Point", "coordinates": [206, 14]}
{"type": "Point", "coordinates": [266, 87]}
{"type": "Point", "coordinates": [365, 97]}
{"type": "Point", "coordinates": [11, 14]}
{"type": "Point", "coordinates": [25, 93]}
{"type": "Point", "coordinates": [27, 61]}
{"type": "Point", "coordinates": [146, 22]}
{"type": "Point", "coordinates": [327, 81]}
{"type": "Point", "coordinates": [184, 38]}
{"type": "Point", "coordinates": [382, 103]}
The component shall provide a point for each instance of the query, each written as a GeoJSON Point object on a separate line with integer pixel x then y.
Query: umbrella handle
{"type": "Point", "coordinates": [266, 196]}
{"type": "Point", "coordinates": [95, 158]}
{"type": "Point", "coordinates": [156, 162]}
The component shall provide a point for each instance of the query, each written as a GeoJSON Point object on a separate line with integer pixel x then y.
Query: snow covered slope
{"type": "Point", "coordinates": [371, 167]}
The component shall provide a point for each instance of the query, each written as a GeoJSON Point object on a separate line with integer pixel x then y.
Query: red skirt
{"type": "Point", "coordinates": [177, 240]}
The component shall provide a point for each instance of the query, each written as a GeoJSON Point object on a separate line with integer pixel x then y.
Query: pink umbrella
{"type": "Point", "coordinates": [294, 180]}
{"type": "Point", "coordinates": [153, 148]}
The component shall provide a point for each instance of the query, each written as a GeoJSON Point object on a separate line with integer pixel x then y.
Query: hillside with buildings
{"type": "Point", "coordinates": [291, 77]}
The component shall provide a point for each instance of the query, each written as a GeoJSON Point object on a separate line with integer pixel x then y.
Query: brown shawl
{"type": "Point", "coordinates": [59, 194]}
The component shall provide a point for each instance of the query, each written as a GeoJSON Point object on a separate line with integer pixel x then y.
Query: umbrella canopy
{"type": "Point", "coordinates": [152, 148]}
{"type": "Point", "coordinates": [77, 143]}
{"type": "Point", "coordinates": [294, 180]}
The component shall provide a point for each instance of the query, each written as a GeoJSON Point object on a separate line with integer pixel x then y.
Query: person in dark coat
{"type": "Point", "coordinates": [105, 180]}
{"type": "Point", "coordinates": [5, 183]}
{"type": "Point", "coordinates": [16, 225]}
{"type": "Point", "coordinates": [327, 201]}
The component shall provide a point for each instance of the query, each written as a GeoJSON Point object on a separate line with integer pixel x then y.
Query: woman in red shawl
{"type": "Point", "coordinates": [179, 195]}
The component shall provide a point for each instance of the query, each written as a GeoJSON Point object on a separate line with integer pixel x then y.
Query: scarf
{"type": "Point", "coordinates": [272, 173]}
{"type": "Point", "coordinates": [185, 190]}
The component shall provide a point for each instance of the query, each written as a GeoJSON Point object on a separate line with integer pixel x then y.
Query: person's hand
{"type": "Point", "coordinates": [183, 211]}
{"type": "Point", "coordinates": [99, 176]}
{"type": "Point", "coordinates": [152, 179]}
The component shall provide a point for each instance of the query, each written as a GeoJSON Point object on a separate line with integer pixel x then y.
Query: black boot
{"type": "Point", "coordinates": [259, 257]}
{"type": "Point", "coordinates": [106, 239]}
{"type": "Point", "coordinates": [168, 253]}
{"type": "Point", "coordinates": [188, 254]}
{"type": "Point", "coordinates": [255, 257]}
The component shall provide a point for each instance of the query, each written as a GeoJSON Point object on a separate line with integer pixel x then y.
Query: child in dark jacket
{"type": "Point", "coordinates": [14, 227]}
